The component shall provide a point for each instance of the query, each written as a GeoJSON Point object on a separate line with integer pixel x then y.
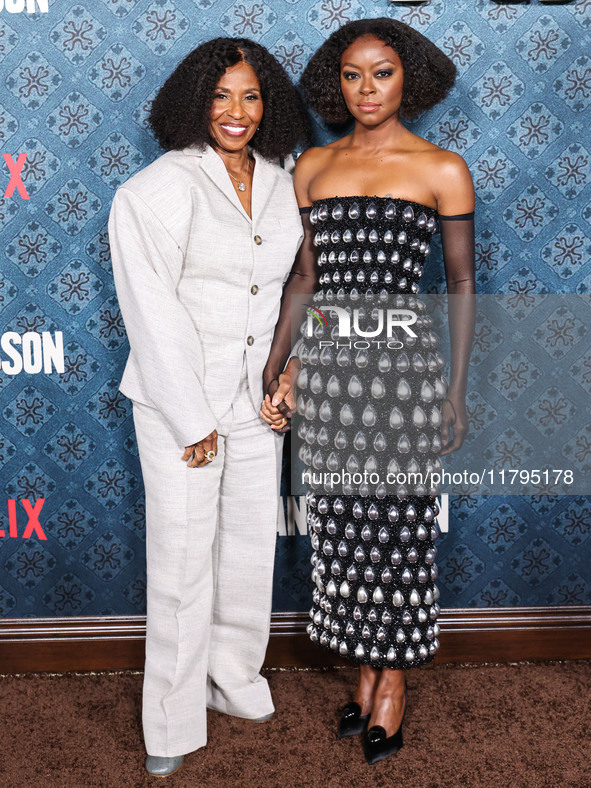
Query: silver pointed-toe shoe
{"type": "Point", "coordinates": [162, 767]}
{"type": "Point", "coordinates": [265, 718]}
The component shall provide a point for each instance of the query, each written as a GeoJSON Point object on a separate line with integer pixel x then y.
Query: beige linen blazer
{"type": "Point", "coordinates": [199, 283]}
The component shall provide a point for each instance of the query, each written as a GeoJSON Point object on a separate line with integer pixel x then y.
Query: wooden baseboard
{"type": "Point", "coordinates": [500, 634]}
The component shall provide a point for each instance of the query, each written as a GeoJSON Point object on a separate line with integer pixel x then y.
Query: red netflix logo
{"type": "Point", "coordinates": [15, 169]}
{"type": "Point", "coordinates": [33, 525]}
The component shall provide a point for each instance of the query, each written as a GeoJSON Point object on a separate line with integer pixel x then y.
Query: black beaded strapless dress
{"type": "Point", "coordinates": [375, 599]}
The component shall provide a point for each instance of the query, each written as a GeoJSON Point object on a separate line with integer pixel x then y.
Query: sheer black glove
{"type": "Point", "coordinates": [457, 239]}
{"type": "Point", "coordinates": [302, 281]}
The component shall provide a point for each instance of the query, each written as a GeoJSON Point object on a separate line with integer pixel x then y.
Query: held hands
{"type": "Point", "coordinates": [454, 415]}
{"type": "Point", "coordinates": [197, 453]}
{"type": "Point", "coordinates": [277, 405]}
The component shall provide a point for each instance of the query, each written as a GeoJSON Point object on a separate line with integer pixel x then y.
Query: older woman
{"type": "Point", "coordinates": [202, 242]}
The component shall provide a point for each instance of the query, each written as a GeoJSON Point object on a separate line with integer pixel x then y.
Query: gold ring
{"type": "Point", "coordinates": [284, 422]}
{"type": "Point", "coordinates": [209, 455]}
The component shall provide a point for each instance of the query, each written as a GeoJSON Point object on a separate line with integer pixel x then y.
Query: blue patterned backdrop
{"type": "Point", "coordinates": [75, 87]}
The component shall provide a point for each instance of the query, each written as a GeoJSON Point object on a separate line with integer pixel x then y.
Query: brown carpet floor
{"type": "Point", "coordinates": [521, 725]}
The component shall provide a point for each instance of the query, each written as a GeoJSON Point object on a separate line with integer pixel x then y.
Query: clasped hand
{"type": "Point", "coordinates": [277, 406]}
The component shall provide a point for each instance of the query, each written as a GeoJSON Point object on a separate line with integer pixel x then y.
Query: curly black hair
{"type": "Point", "coordinates": [179, 116]}
{"type": "Point", "coordinates": [428, 73]}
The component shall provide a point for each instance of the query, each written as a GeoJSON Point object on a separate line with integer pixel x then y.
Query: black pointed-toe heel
{"type": "Point", "coordinates": [353, 722]}
{"type": "Point", "coordinates": [377, 746]}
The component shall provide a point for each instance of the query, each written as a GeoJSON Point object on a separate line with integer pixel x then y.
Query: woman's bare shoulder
{"type": "Point", "coordinates": [452, 181]}
{"type": "Point", "coordinates": [316, 157]}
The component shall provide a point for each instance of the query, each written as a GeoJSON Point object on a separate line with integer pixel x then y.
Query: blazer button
{"type": "Point", "coordinates": [249, 340]}
{"type": "Point", "coordinates": [254, 289]}
{"type": "Point", "coordinates": [258, 240]}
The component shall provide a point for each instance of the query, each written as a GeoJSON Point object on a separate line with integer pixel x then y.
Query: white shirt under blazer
{"type": "Point", "coordinates": [199, 282]}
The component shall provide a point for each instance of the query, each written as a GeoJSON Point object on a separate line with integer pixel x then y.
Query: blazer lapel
{"type": "Point", "coordinates": [265, 175]}
{"type": "Point", "coordinates": [214, 168]}
{"type": "Point", "coordinates": [263, 181]}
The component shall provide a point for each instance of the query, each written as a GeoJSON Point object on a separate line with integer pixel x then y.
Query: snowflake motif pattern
{"type": "Point", "coordinates": [480, 413]}
{"type": "Point", "coordinates": [107, 326]}
{"type": "Point", "coordinates": [249, 18]}
{"type": "Point", "coordinates": [79, 368]}
{"type": "Point", "coordinates": [486, 337]}
{"type": "Point", "coordinates": [559, 332]}
{"type": "Point", "coordinates": [543, 44]}
{"type": "Point", "coordinates": [74, 119]}
{"type": "Point", "coordinates": [514, 375]}
{"type": "Point", "coordinates": [496, 91]}
{"type": "Point", "coordinates": [32, 249]}
{"type": "Point", "coordinates": [71, 523]}
{"type": "Point", "coordinates": [108, 556]}
{"type": "Point", "coordinates": [578, 449]}
{"type": "Point", "coordinates": [571, 171]}
{"type": "Point", "coordinates": [496, 593]}
{"type": "Point", "coordinates": [98, 250]}
{"type": "Point", "coordinates": [574, 86]}
{"type": "Point", "coordinates": [536, 561]}
{"type": "Point", "coordinates": [328, 15]}
{"type": "Point", "coordinates": [454, 131]}
{"type": "Point", "coordinates": [29, 564]}
{"type": "Point", "coordinates": [421, 17]}
{"type": "Point", "coordinates": [115, 160]}
{"type": "Point", "coordinates": [529, 213]}
{"type": "Point", "coordinates": [30, 482]}
{"type": "Point", "coordinates": [509, 450]}
{"type": "Point", "coordinates": [135, 518]}
{"type": "Point", "coordinates": [535, 130]}
{"type": "Point", "coordinates": [494, 173]}
{"type": "Point", "coordinates": [68, 596]}
{"type": "Point", "coordinates": [550, 411]}
{"type": "Point", "coordinates": [34, 80]}
{"type": "Point", "coordinates": [8, 211]}
{"type": "Point", "coordinates": [77, 35]}
{"type": "Point", "coordinates": [69, 447]}
{"type": "Point", "coordinates": [581, 371]}
{"type": "Point", "coordinates": [135, 592]}
{"type": "Point", "coordinates": [491, 255]}
{"type": "Point", "coordinates": [74, 287]}
{"type": "Point", "coordinates": [574, 523]}
{"type": "Point", "coordinates": [29, 411]}
{"type": "Point", "coordinates": [7, 602]}
{"type": "Point", "coordinates": [462, 566]}
{"type": "Point", "coordinates": [117, 72]}
{"type": "Point", "coordinates": [111, 483]}
{"type": "Point", "coordinates": [500, 17]}
{"type": "Point", "coordinates": [73, 206]}
{"type": "Point", "coordinates": [40, 166]}
{"type": "Point", "coordinates": [140, 113]}
{"type": "Point", "coordinates": [581, 10]}
{"type": "Point", "coordinates": [462, 45]}
{"type": "Point", "coordinates": [160, 26]}
{"type": "Point", "coordinates": [568, 251]}
{"type": "Point", "coordinates": [293, 54]}
{"type": "Point", "coordinates": [501, 529]}
{"type": "Point", "coordinates": [108, 406]}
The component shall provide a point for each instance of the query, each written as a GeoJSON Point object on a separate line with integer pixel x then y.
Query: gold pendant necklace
{"type": "Point", "coordinates": [241, 185]}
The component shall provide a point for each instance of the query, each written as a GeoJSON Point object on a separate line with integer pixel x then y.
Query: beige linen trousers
{"type": "Point", "coordinates": [199, 284]}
